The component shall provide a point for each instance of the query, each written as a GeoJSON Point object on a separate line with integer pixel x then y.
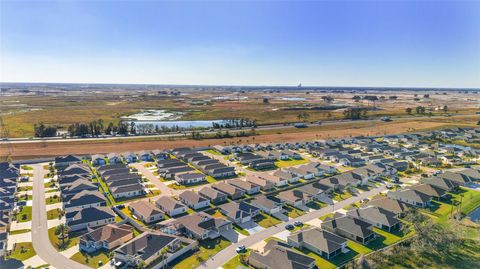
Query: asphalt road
{"type": "Point", "coordinates": [40, 240]}
{"type": "Point", "coordinates": [185, 134]}
{"type": "Point", "coordinates": [229, 252]}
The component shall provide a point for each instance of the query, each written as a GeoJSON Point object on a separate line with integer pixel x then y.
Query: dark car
{"type": "Point", "coordinates": [289, 227]}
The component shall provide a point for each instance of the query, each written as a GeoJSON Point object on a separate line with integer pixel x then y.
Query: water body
{"type": "Point", "coordinates": [293, 99]}
{"type": "Point", "coordinates": [184, 124]}
{"type": "Point", "coordinates": [475, 215]}
{"type": "Point", "coordinates": [154, 115]}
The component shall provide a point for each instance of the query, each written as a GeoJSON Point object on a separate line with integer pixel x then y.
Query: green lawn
{"type": "Point", "coordinates": [290, 162]}
{"type": "Point", "coordinates": [52, 200]}
{"type": "Point", "coordinates": [293, 212]}
{"type": "Point", "coordinates": [266, 221]}
{"type": "Point", "coordinates": [56, 242]}
{"type": "Point", "coordinates": [240, 230]}
{"type": "Point", "coordinates": [53, 214]}
{"type": "Point", "coordinates": [341, 196]}
{"type": "Point", "coordinates": [91, 260]}
{"type": "Point", "coordinates": [207, 249]}
{"type": "Point", "coordinates": [235, 262]}
{"type": "Point", "coordinates": [464, 201]}
{"type": "Point", "coordinates": [24, 188]}
{"type": "Point", "coordinates": [127, 212]}
{"type": "Point", "coordinates": [23, 251]}
{"type": "Point", "coordinates": [20, 231]}
{"type": "Point", "coordinates": [214, 152]}
{"type": "Point", "coordinates": [25, 214]}
{"type": "Point", "coordinates": [391, 238]}
{"type": "Point", "coordinates": [329, 215]}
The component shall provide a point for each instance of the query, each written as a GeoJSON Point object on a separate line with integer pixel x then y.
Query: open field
{"type": "Point", "coordinates": [43, 149]}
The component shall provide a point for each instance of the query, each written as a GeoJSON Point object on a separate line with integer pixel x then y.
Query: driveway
{"type": "Point", "coordinates": [251, 227]}
{"type": "Point", "coordinates": [40, 240]}
{"type": "Point", "coordinates": [232, 235]}
{"type": "Point", "coordinates": [154, 179]}
{"type": "Point", "coordinates": [227, 253]}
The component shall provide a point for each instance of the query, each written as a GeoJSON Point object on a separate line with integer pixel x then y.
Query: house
{"type": "Point", "coordinates": [84, 199]}
{"type": "Point", "coordinates": [11, 263]}
{"type": "Point", "coordinates": [114, 158]}
{"type": "Point", "coordinates": [239, 212]}
{"type": "Point", "coordinates": [90, 217]}
{"type": "Point", "coordinates": [127, 191]}
{"type": "Point", "coordinates": [351, 161]}
{"type": "Point", "coordinates": [392, 205]}
{"type": "Point", "coordinates": [321, 242]}
{"type": "Point", "coordinates": [350, 227]}
{"type": "Point", "coordinates": [277, 181]}
{"type": "Point", "coordinates": [302, 172]}
{"type": "Point", "coordinates": [317, 193]}
{"type": "Point", "coordinates": [411, 197]}
{"type": "Point", "coordinates": [286, 176]}
{"type": "Point", "coordinates": [214, 196]}
{"type": "Point", "coordinates": [145, 156]}
{"type": "Point", "coordinates": [321, 169]}
{"type": "Point", "coordinates": [130, 157]}
{"type": "Point", "coordinates": [203, 226]}
{"type": "Point", "coordinates": [98, 160]}
{"type": "Point", "coordinates": [64, 161]}
{"type": "Point", "coordinates": [190, 178]}
{"type": "Point", "coordinates": [194, 200]}
{"type": "Point", "coordinates": [245, 186]}
{"type": "Point", "coordinates": [219, 170]}
{"type": "Point", "coordinates": [268, 205]}
{"type": "Point", "coordinates": [105, 238]}
{"type": "Point", "coordinates": [377, 216]}
{"type": "Point", "coordinates": [146, 211]}
{"type": "Point", "coordinates": [295, 197]}
{"type": "Point", "coordinates": [430, 190]}
{"type": "Point", "coordinates": [160, 155]}
{"type": "Point", "coordinates": [232, 192]}
{"type": "Point", "coordinates": [441, 183]}
{"type": "Point", "coordinates": [264, 184]}
{"type": "Point", "coordinates": [146, 250]}
{"type": "Point", "coordinates": [170, 206]}
{"type": "Point", "coordinates": [277, 255]}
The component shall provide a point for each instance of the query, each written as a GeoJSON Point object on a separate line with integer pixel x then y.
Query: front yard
{"type": "Point", "coordinates": [293, 212]}
{"type": "Point", "coordinates": [207, 249]}
{"type": "Point", "coordinates": [290, 162]}
{"type": "Point", "coordinates": [266, 221]}
{"type": "Point", "coordinates": [94, 260]}
{"type": "Point", "coordinates": [57, 243]}
{"type": "Point", "coordinates": [25, 214]}
{"type": "Point", "coordinates": [23, 251]}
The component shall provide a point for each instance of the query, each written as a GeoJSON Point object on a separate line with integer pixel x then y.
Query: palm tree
{"type": "Point", "coordinates": [62, 232]}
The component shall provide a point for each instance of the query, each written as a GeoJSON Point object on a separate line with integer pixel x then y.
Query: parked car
{"type": "Point", "coordinates": [241, 249]}
{"type": "Point", "coordinates": [289, 227]}
{"type": "Point", "coordinates": [298, 223]}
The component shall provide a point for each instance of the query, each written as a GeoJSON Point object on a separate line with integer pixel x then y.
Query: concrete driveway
{"type": "Point", "coordinates": [232, 235]}
{"type": "Point", "coordinates": [251, 227]}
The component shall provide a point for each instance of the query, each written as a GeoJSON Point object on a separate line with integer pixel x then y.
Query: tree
{"type": "Point", "coordinates": [62, 231]}
{"type": "Point", "coordinates": [408, 110]}
{"type": "Point", "coordinates": [303, 116]}
{"type": "Point", "coordinates": [266, 101]}
{"type": "Point", "coordinates": [327, 99]}
{"type": "Point", "coordinates": [445, 108]}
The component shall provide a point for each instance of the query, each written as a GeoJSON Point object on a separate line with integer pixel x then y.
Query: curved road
{"type": "Point", "coordinates": [40, 240]}
{"type": "Point", "coordinates": [229, 252]}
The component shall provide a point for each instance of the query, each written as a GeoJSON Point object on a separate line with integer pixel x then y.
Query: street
{"type": "Point", "coordinates": [40, 240]}
{"type": "Point", "coordinates": [229, 252]}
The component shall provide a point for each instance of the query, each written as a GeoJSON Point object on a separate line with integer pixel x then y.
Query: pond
{"type": "Point", "coordinates": [293, 99]}
{"type": "Point", "coordinates": [183, 124]}
{"type": "Point", "coordinates": [475, 215]}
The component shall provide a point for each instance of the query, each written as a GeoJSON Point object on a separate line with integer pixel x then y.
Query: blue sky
{"type": "Point", "coordinates": [337, 43]}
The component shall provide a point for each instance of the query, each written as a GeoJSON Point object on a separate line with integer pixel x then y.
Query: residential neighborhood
{"type": "Point", "coordinates": [303, 205]}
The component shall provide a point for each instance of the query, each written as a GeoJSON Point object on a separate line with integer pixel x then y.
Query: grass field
{"type": "Point", "coordinates": [25, 214]}
{"type": "Point", "coordinates": [266, 221]}
{"type": "Point", "coordinates": [53, 214]}
{"type": "Point", "coordinates": [56, 242]}
{"type": "Point", "coordinates": [23, 251]}
{"type": "Point", "coordinates": [20, 231]}
{"type": "Point", "coordinates": [207, 248]}
{"type": "Point", "coordinates": [91, 260]}
{"type": "Point", "coordinates": [293, 212]}
{"type": "Point", "coordinates": [290, 162]}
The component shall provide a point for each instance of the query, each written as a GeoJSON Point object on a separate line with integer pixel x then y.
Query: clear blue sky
{"type": "Point", "coordinates": [337, 43]}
